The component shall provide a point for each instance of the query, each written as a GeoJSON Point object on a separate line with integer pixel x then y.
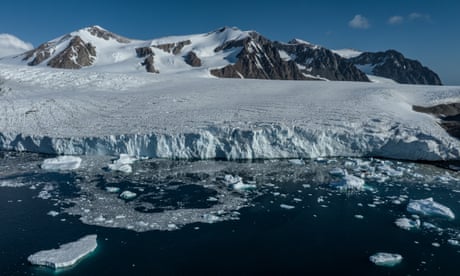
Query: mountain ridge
{"type": "Point", "coordinates": [227, 52]}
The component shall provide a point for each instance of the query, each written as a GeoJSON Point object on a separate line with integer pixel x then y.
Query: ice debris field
{"type": "Point", "coordinates": [196, 116]}
{"type": "Point", "coordinates": [169, 195]}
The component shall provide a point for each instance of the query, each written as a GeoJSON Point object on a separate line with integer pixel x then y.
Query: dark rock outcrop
{"type": "Point", "coordinates": [320, 62]}
{"type": "Point", "coordinates": [174, 48]}
{"type": "Point", "coordinates": [78, 54]}
{"type": "Point", "coordinates": [143, 51]}
{"type": "Point", "coordinates": [258, 59]}
{"type": "Point", "coordinates": [449, 115]}
{"type": "Point", "coordinates": [393, 65]}
{"type": "Point", "coordinates": [104, 34]}
{"type": "Point", "coordinates": [192, 59]}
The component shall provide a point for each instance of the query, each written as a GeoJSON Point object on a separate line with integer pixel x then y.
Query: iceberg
{"type": "Point", "coordinates": [237, 183]}
{"type": "Point", "coordinates": [123, 164]}
{"type": "Point", "coordinates": [128, 195]}
{"type": "Point", "coordinates": [408, 224]}
{"type": "Point", "coordinates": [61, 163]}
{"type": "Point", "coordinates": [429, 207]}
{"type": "Point", "coordinates": [349, 183]}
{"type": "Point", "coordinates": [66, 255]}
{"type": "Point", "coordinates": [386, 259]}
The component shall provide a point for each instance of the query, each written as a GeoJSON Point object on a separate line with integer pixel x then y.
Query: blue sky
{"type": "Point", "coordinates": [425, 30]}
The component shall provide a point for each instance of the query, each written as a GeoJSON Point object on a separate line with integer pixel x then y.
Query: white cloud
{"type": "Point", "coordinates": [395, 20]}
{"type": "Point", "coordinates": [359, 22]}
{"type": "Point", "coordinates": [419, 16]}
{"type": "Point", "coordinates": [11, 45]}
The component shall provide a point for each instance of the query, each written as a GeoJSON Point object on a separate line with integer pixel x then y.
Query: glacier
{"type": "Point", "coordinates": [196, 116]}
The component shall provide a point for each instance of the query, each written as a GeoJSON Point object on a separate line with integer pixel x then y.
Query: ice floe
{"type": "Point", "coordinates": [429, 207]}
{"type": "Point", "coordinates": [349, 183]}
{"type": "Point", "coordinates": [286, 206]}
{"type": "Point", "coordinates": [66, 255]}
{"type": "Point", "coordinates": [128, 195]}
{"type": "Point", "coordinates": [386, 259]}
{"type": "Point", "coordinates": [61, 163]}
{"type": "Point", "coordinates": [123, 164]}
{"type": "Point", "coordinates": [408, 224]}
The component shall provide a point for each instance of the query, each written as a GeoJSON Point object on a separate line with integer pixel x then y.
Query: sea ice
{"type": "Point", "coordinates": [408, 224]}
{"type": "Point", "coordinates": [128, 195]}
{"type": "Point", "coordinates": [123, 164]}
{"type": "Point", "coordinates": [429, 207]}
{"type": "Point", "coordinates": [337, 172]}
{"type": "Point", "coordinates": [349, 182]}
{"type": "Point", "coordinates": [386, 259]}
{"type": "Point", "coordinates": [237, 183]}
{"type": "Point", "coordinates": [62, 163]}
{"type": "Point", "coordinates": [66, 255]}
{"type": "Point", "coordinates": [288, 207]}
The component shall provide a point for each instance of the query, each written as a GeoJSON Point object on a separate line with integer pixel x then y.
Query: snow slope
{"type": "Point", "coordinates": [114, 53]}
{"type": "Point", "coordinates": [11, 45]}
{"type": "Point", "coordinates": [193, 115]}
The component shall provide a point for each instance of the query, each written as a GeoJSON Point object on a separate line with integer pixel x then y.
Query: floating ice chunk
{"type": "Point", "coordinates": [453, 242]}
{"type": "Point", "coordinates": [242, 186]}
{"type": "Point", "coordinates": [408, 224]}
{"type": "Point", "coordinates": [237, 183]}
{"type": "Point", "coordinates": [296, 161]}
{"type": "Point", "coordinates": [210, 218]}
{"type": "Point", "coordinates": [288, 207]}
{"type": "Point", "coordinates": [123, 164]}
{"type": "Point", "coordinates": [359, 216]}
{"type": "Point", "coordinates": [428, 207]}
{"type": "Point", "coordinates": [128, 195]}
{"type": "Point", "coordinates": [52, 213]}
{"type": "Point", "coordinates": [386, 259]}
{"type": "Point", "coordinates": [66, 255]}
{"type": "Point", "coordinates": [337, 172]}
{"type": "Point", "coordinates": [112, 189]}
{"type": "Point", "coordinates": [349, 182]}
{"type": "Point", "coordinates": [11, 184]}
{"type": "Point", "coordinates": [435, 244]}
{"type": "Point", "coordinates": [61, 163]}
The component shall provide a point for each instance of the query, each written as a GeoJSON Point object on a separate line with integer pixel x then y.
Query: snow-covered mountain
{"type": "Point", "coordinates": [227, 52]}
{"type": "Point", "coordinates": [392, 64]}
{"type": "Point", "coordinates": [11, 45]}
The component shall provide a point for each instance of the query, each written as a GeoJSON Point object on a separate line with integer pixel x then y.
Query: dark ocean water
{"type": "Point", "coordinates": [321, 235]}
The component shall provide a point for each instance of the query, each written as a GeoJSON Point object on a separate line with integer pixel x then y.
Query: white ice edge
{"type": "Point", "coordinates": [258, 142]}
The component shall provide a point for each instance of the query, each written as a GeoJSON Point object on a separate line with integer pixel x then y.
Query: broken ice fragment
{"type": "Point", "coordinates": [66, 255]}
{"type": "Point", "coordinates": [408, 224]}
{"type": "Point", "coordinates": [61, 163]}
{"type": "Point", "coordinates": [123, 164]}
{"type": "Point", "coordinates": [386, 259]}
{"type": "Point", "coordinates": [288, 207]}
{"type": "Point", "coordinates": [429, 207]}
{"type": "Point", "coordinates": [349, 182]}
{"type": "Point", "coordinates": [128, 195]}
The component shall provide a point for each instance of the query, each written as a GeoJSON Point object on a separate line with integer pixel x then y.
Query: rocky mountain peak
{"type": "Point", "coordinates": [100, 32]}
{"type": "Point", "coordinates": [394, 65]}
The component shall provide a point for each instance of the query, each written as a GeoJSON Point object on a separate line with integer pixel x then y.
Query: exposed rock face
{"type": "Point", "coordinates": [393, 65]}
{"type": "Point", "coordinates": [258, 59]}
{"type": "Point", "coordinates": [449, 115]}
{"type": "Point", "coordinates": [101, 33]}
{"type": "Point", "coordinates": [320, 62]}
{"type": "Point", "coordinates": [144, 51]}
{"type": "Point", "coordinates": [78, 54]}
{"type": "Point", "coordinates": [174, 48]}
{"type": "Point", "coordinates": [149, 64]}
{"type": "Point", "coordinates": [192, 59]}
